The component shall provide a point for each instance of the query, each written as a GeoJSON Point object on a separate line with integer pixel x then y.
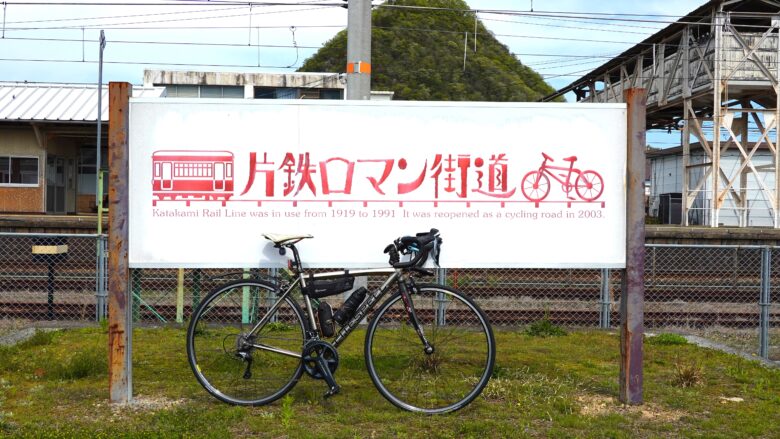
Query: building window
{"type": "Point", "coordinates": [19, 170]}
{"type": "Point", "coordinates": [298, 93]}
{"type": "Point", "coordinates": [203, 91]}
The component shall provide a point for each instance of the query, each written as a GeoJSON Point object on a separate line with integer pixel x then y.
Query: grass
{"type": "Point", "coordinates": [667, 339]}
{"type": "Point", "coordinates": [56, 386]}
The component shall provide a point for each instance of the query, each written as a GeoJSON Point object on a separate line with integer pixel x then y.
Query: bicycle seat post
{"type": "Point", "coordinates": [297, 266]}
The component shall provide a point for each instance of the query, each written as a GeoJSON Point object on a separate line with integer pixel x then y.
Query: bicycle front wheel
{"type": "Point", "coordinates": [445, 380]}
{"type": "Point", "coordinates": [239, 368]}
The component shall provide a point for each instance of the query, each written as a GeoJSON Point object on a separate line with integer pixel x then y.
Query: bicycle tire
{"type": "Point", "coordinates": [537, 188]}
{"type": "Point", "coordinates": [462, 361]}
{"type": "Point", "coordinates": [230, 311]}
{"type": "Point", "coordinates": [589, 185]}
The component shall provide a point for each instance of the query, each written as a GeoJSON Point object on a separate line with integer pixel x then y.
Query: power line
{"type": "Point", "coordinates": [142, 63]}
{"type": "Point", "coordinates": [113, 25]}
{"type": "Point", "coordinates": [109, 17]}
{"type": "Point", "coordinates": [592, 29]}
{"type": "Point", "coordinates": [182, 43]}
{"type": "Point", "coordinates": [633, 26]}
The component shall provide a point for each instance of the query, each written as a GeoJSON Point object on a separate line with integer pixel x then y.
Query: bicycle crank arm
{"type": "Point", "coordinates": [333, 388]}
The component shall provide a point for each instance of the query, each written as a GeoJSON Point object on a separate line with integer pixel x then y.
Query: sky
{"type": "Point", "coordinates": [57, 41]}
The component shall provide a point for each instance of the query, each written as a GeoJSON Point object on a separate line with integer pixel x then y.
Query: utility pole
{"type": "Point", "coordinates": [359, 50]}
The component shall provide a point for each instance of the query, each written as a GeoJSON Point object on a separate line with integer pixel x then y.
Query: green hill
{"type": "Point", "coordinates": [418, 54]}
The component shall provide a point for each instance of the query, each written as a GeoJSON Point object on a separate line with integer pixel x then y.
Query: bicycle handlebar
{"type": "Point", "coordinates": [420, 245]}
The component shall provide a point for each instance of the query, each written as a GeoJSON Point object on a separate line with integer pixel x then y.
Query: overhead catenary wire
{"type": "Point", "coordinates": [172, 20]}
{"type": "Point", "coordinates": [613, 18]}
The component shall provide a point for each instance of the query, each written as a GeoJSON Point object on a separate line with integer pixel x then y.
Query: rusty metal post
{"type": "Point", "coordinates": [119, 323]}
{"type": "Point", "coordinates": [632, 299]}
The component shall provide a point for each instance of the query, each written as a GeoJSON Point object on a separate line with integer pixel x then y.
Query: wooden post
{"type": "Point", "coordinates": [632, 299]}
{"type": "Point", "coordinates": [119, 322]}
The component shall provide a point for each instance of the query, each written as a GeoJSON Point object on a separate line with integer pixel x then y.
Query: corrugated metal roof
{"type": "Point", "coordinates": [58, 102]}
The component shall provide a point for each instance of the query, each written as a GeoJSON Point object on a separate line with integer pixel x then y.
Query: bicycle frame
{"type": "Point", "coordinates": [569, 171]}
{"type": "Point", "coordinates": [373, 297]}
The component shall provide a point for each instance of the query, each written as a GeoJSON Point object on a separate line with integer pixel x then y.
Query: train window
{"type": "Point", "coordinates": [156, 169]}
{"type": "Point", "coordinates": [229, 171]}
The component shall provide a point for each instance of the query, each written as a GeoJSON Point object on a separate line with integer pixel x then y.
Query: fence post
{"type": "Point", "coordinates": [180, 296]}
{"type": "Point", "coordinates": [764, 302]}
{"type": "Point", "coordinates": [100, 287]}
{"type": "Point", "coordinates": [195, 288]}
{"type": "Point", "coordinates": [604, 311]}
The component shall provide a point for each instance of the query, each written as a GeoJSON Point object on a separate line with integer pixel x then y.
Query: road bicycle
{"type": "Point", "coordinates": [587, 184]}
{"type": "Point", "coordinates": [428, 348]}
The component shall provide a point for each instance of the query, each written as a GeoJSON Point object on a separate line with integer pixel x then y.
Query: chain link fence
{"type": "Point", "coordinates": [46, 277]}
{"type": "Point", "coordinates": [719, 292]}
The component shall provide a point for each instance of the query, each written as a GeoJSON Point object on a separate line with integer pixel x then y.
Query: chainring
{"type": "Point", "coordinates": [315, 349]}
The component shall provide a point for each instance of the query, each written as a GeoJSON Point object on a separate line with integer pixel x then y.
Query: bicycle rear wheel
{"type": "Point", "coordinates": [535, 186]}
{"type": "Point", "coordinates": [447, 379]}
{"type": "Point", "coordinates": [220, 350]}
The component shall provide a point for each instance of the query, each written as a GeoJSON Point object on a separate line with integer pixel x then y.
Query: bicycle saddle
{"type": "Point", "coordinates": [280, 240]}
{"type": "Point", "coordinates": [570, 159]}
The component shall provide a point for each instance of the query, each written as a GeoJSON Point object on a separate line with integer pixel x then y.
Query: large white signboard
{"type": "Point", "coordinates": [508, 185]}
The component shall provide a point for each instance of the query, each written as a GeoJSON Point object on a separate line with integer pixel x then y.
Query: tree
{"type": "Point", "coordinates": [418, 54]}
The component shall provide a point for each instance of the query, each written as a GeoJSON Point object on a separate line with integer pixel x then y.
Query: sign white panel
{"type": "Point", "coordinates": [508, 185]}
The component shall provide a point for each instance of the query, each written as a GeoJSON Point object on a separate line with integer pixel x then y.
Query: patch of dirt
{"type": "Point", "coordinates": [599, 405]}
{"type": "Point", "coordinates": [142, 404]}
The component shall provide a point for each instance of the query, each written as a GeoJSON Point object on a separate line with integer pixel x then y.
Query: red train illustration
{"type": "Point", "coordinates": [192, 175]}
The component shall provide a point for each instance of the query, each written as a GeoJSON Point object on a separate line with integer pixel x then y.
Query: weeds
{"type": "Point", "coordinates": [688, 374]}
{"type": "Point", "coordinates": [39, 338]}
{"type": "Point", "coordinates": [544, 328]}
{"type": "Point", "coordinates": [277, 327]}
{"type": "Point", "coordinates": [499, 390]}
{"type": "Point", "coordinates": [83, 364]}
{"type": "Point", "coordinates": [286, 414]}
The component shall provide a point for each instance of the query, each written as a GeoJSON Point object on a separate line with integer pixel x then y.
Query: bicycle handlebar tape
{"type": "Point", "coordinates": [394, 256]}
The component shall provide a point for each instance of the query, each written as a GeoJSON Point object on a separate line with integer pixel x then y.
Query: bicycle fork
{"type": "Point", "coordinates": [409, 306]}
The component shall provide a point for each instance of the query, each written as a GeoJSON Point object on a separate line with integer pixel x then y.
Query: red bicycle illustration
{"type": "Point", "coordinates": [536, 184]}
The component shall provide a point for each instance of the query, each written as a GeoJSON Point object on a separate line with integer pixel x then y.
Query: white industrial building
{"type": "Point", "coordinates": [666, 186]}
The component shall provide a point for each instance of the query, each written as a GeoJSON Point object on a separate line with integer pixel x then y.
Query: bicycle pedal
{"type": "Point", "coordinates": [332, 391]}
